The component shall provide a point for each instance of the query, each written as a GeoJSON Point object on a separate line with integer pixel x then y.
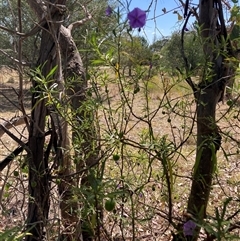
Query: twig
{"type": "Point", "coordinates": [188, 78]}
{"type": "Point", "coordinates": [21, 143]}
{"type": "Point", "coordinates": [16, 121]}
{"type": "Point", "coordinates": [16, 152]}
{"type": "Point", "coordinates": [80, 22]}
{"type": "Point", "coordinates": [10, 157]}
{"type": "Point", "coordinates": [13, 59]}
{"type": "Point", "coordinates": [20, 93]}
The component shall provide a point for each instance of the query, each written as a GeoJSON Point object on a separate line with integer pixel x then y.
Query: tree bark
{"type": "Point", "coordinates": [39, 183]}
{"type": "Point", "coordinates": [210, 92]}
{"type": "Point", "coordinates": [58, 48]}
{"type": "Point", "coordinates": [83, 130]}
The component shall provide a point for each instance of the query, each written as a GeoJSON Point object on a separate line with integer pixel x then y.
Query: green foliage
{"type": "Point", "coordinates": [9, 41]}
{"type": "Point", "coordinates": [235, 14]}
{"type": "Point", "coordinates": [13, 234]}
{"type": "Point", "coordinates": [218, 226]}
{"type": "Point", "coordinates": [135, 51]}
{"type": "Point", "coordinates": [172, 56]}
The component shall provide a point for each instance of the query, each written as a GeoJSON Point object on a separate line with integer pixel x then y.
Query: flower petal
{"type": "Point", "coordinates": [188, 228]}
{"type": "Point", "coordinates": [108, 11]}
{"type": "Point", "coordinates": [137, 18]}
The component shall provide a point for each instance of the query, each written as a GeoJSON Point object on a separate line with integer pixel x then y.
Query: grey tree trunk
{"type": "Point", "coordinates": [58, 48]}
{"type": "Point", "coordinates": [39, 183]}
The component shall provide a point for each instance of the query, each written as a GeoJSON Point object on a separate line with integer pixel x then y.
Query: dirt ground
{"type": "Point", "coordinates": [13, 204]}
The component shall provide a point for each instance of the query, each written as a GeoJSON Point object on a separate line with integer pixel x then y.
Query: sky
{"type": "Point", "coordinates": [164, 24]}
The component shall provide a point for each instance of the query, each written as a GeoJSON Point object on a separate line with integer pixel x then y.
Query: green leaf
{"type": "Point", "coordinates": [94, 40]}
{"type": "Point", "coordinates": [214, 156]}
{"type": "Point", "coordinates": [198, 158]}
{"type": "Point", "coordinates": [52, 72]}
{"type": "Point", "coordinates": [98, 62]}
{"type": "Point", "coordinates": [235, 14]}
{"type": "Point", "coordinates": [225, 204]}
{"type": "Point", "coordinates": [12, 234]}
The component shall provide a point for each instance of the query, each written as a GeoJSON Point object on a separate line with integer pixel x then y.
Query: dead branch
{"type": "Point", "coordinates": [10, 157]}
{"type": "Point", "coordinates": [15, 138]}
{"type": "Point", "coordinates": [188, 78]}
{"type": "Point", "coordinates": [16, 152]}
{"type": "Point", "coordinates": [32, 32]}
{"type": "Point", "coordinates": [13, 59]}
{"type": "Point", "coordinates": [16, 121]}
{"type": "Point", "coordinates": [193, 10]}
{"type": "Point", "coordinates": [80, 22]}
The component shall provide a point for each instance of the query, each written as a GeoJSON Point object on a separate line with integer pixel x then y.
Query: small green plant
{"type": "Point", "coordinates": [13, 234]}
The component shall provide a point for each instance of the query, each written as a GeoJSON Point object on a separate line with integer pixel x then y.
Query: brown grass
{"type": "Point", "coordinates": [152, 203]}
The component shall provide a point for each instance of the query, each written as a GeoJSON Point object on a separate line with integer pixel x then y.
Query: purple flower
{"type": "Point", "coordinates": [150, 65]}
{"type": "Point", "coordinates": [137, 18]}
{"type": "Point", "coordinates": [188, 228]}
{"type": "Point", "coordinates": [108, 11]}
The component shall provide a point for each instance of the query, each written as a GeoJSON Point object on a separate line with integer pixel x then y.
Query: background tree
{"type": "Point", "coordinates": [172, 55]}
{"type": "Point", "coordinates": [135, 51]}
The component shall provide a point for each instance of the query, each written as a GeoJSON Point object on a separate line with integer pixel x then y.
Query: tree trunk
{"type": "Point", "coordinates": [210, 91]}
{"type": "Point", "coordinates": [83, 131]}
{"type": "Point", "coordinates": [39, 183]}
{"type": "Point", "coordinates": [74, 76]}
{"type": "Point", "coordinates": [69, 64]}
{"type": "Point", "coordinates": [208, 142]}
{"type": "Point", "coordinates": [38, 186]}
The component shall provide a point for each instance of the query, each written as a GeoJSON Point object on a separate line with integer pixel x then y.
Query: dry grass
{"type": "Point", "coordinates": [171, 118]}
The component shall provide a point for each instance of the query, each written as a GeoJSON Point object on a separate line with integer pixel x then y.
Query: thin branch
{"type": "Point", "coordinates": [10, 157]}
{"type": "Point", "coordinates": [39, 26]}
{"type": "Point", "coordinates": [186, 9]}
{"type": "Point", "coordinates": [233, 215]}
{"type": "Point", "coordinates": [16, 152]}
{"type": "Point", "coordinates": [80, 22]}
{"type": "Point", "coordinates": [21, 143]}
{"type": "Point", "coordinates": [10, 101]}
{"type": "Point", "coordinates": [188, 78]}
{"type": "Point", "coordinates": [20, 93]}
{"type": "Point", "coordinates": [16, 121]}
{"type": "Point", "coordinates": [182, 43]}
{"type": "Point", "coordinates": [23, 63]}
{"type": "Point", "coordinates": [234, 226]}
{"type": "Point", "coordinates": [193, 10]}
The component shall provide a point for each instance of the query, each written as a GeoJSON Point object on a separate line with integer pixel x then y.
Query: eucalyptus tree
{"type": "Point", "coordinates": [59, 52]}
{"type": "Point", "coordinates": [172, 54]}
{"type": "Point", "coordinates": [59, 87]}
{"type": "Point", "coordinates": [218, 53]}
